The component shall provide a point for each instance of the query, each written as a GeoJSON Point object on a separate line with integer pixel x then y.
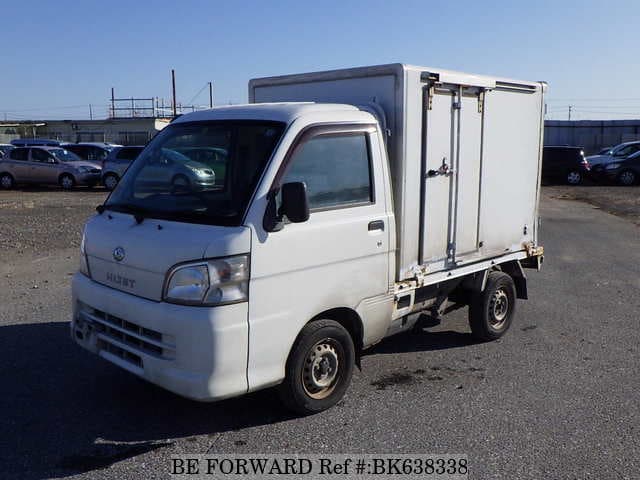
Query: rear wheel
{"type": "Point", "coordinates": [627, 178]}
{"type": "Point", "coordinates": [67, 181]}
{"type": "Point", "coordinates": [6, 181]}
{"type": "Point", "coordinates": [319, 368]}
{"type": "Point", "coordinates": [110, 181]}
{"type": "Point", "coordinates": [574, 177]}
{"type": "Point", "coordinates": [491, 311]}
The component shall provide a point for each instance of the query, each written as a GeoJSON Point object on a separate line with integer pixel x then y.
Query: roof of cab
{"type": "Point", "coordinates": [279, 112]}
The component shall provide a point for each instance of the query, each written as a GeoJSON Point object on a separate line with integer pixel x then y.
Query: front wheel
{"type": "Point", "coordinates": [627, 178]}
{"type": "Point", "coordinates": [319, 368]}
{"type": "Point", "coordinates": [491, 311]}
{"type": "Point", "coordinates": [110, 181]}
{"type": "Point", "coordinates": [67, 181]}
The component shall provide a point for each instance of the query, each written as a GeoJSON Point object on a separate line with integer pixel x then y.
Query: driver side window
{"type": "Point", "coordinates": [336, 168]}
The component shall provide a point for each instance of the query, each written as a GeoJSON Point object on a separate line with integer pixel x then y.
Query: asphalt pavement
{"type": "Point", "coordinates": [557, 397]}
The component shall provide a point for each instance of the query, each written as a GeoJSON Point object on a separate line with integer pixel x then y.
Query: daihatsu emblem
{"type": "Point", "coordinates": [118, 254]}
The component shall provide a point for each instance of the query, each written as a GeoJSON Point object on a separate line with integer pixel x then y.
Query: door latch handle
{"type": "Point", "coordinates": [444, 170]}
{"type": "Point", "coordinates": [376, 225]}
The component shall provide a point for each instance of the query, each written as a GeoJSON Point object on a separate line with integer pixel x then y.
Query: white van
{"type": "Point", "coordinates": [344, 203]}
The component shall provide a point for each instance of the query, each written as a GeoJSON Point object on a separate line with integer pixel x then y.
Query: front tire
{"type": "Point", "coordinates": [67, 182]}
{"type": "Point", "coordinates": [319, 368]}
{"type": "Point", "coordinates": [110, 181]}
{"type": "Point", "coordinates": [491, 311]}
{"type": "Point", "coordinates": [627, 178]}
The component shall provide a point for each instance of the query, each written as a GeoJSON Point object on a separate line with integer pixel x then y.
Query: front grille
{"type": "Point", "coordinates": [120, 352]}
{"type": "Point", "coordinates": [95, 170]}
{"type": "Point", "coordinates": [129, 334]}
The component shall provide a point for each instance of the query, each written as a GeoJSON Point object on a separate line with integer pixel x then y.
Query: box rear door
{"type": "Point", "coordinates": [452, 166]}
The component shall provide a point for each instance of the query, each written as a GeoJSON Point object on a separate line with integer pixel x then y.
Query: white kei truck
{"type": "Point", "coordinates": [269, 244]}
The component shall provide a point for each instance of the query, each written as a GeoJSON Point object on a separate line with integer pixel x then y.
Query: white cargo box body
{"type": "Point", "coordinates": [464, 150]}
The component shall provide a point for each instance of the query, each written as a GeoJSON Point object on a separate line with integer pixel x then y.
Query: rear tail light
{"type": "Point", "coordinates": [585, 164]}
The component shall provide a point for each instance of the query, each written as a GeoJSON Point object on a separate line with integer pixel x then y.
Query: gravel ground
{"type": "Point", "coordinates": [622, 201]}
{"type": "Point", "coordinates": [555, 398]}
{"type": "Point", "coordinates": [40, 221]}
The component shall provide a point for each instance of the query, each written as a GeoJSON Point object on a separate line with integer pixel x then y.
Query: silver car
{"type": "Point", "coordinates": [116, 163]}
{"type": "Point", "coordinates": [47, 165]}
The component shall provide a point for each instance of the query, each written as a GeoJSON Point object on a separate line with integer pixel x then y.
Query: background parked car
{"type": "Point", "coordinates": [47, 165]}
{"type": "Point", "coordinates": [29, 142]}
{"type": "Point", "coordinates": [165, 167]}
{"type": "Point", "coordinates": [624, 171]}
{"type": "Point", "coordinates": [91, 151]}
{"type": "Point", "coordinates": [618, 152]}
{"type": "Point", "coordinates": [117, 163]}
{"type": "Point", "coordinates": [564, 164]}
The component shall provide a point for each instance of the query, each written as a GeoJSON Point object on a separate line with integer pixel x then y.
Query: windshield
{"type": "Point", "coordinates": [64, 155]}
{"type": "Point", "coordinates": [202, 172]}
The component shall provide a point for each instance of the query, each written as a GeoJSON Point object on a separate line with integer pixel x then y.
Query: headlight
{"type": "Point", "coordinates": [203, 173]}
{"type": "Point", "coordinates": [211, 282]}
{"type": "Point", "coordinates": [84, 169]}
{"type": "Point", "coordinates": [84, 263]}
{"type": "Point", "coordinates": [612, 166]}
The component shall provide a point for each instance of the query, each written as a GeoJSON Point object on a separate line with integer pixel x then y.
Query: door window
{"type": "Point", "coordinates": [39, 155]}
{"type": "Point", "coordinates": [19, 154]}
{"type": "Point", "coordinates": [336, 169]}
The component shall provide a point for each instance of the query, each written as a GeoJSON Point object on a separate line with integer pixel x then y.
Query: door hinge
{"type": "Point", "coordinates": [481, 101]}
{"type": "Point", "coordinates": [430, 93]}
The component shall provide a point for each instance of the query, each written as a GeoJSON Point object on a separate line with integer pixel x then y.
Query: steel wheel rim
{"type": "Point", "coordinates": [499, 308]}
{"type": "Point", "coordinates": [321, 369]}
{"type": "Point", "coordinates": [627, 178]}
{"type": "Point", "coordinates": [574, 177]}
{"type": "Point", "coordinates": [5, 181]}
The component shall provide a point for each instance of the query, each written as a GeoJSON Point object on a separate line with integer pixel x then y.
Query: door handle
{"type": "Point", "coordinates": [376, 225]}
{"type": "Point", "coordinates": [444, 170]}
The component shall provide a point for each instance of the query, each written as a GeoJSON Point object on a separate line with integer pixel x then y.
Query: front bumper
{"type": "Point", "coordinates": [196, 352]}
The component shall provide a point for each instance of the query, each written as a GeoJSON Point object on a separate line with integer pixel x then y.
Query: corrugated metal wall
{"type": "Point", "coordinates": [592, 135]}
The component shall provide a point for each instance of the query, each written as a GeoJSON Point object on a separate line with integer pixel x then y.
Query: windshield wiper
{"type": "Point", "coordinates": [139, 213]}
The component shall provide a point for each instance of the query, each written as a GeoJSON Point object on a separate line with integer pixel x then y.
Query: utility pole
{"type": "Point", "coordinates": [90, 113]}
{"type": "Point", "coordinates": [113, 103]}
{"type": "Point", "coordinates": [570, 108]}
{"type": "Point", "coordinates": [173, 86]}
{"type": "Point", "coordinates": [210, 94]}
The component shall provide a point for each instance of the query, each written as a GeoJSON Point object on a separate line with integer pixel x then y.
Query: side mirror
{"type": "Point", "coordinates": [295, 204]}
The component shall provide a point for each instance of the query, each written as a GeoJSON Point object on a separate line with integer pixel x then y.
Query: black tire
{"type": "Point", "coordinates": [574, 177]}
{"type": "Point", "coordinates": [110, 181]}
{"type": "Point", "coordinates": [627, 178]}
{"type": "Point", "coordinates": [307, 371]}
{"type": "Point", "coordinates": [491, 311]}
{"type": "Point", "coordinates": [67, 181]}
{"type": "Point", "coordinates": [180, 183]}
{"type": "Point", "coordinates": [6, 181]}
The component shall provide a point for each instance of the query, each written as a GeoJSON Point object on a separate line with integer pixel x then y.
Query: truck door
{"type": "Point", "coordinates": [338, 258]}
{"type": "Point", "coordinates": [451, 185]}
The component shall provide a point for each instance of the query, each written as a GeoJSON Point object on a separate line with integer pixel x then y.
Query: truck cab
{"type": "Point", "coordinates": [316, 230]}
{"type": "Point", "coordinates": [171, 270]}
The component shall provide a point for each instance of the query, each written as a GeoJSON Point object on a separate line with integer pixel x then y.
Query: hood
{"type": "Point", "coordinates": [151, 248]}
{"type": "Point", "coordinates": [83, 163]}
{"type": "Point", "coordinates": [599, 159]}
